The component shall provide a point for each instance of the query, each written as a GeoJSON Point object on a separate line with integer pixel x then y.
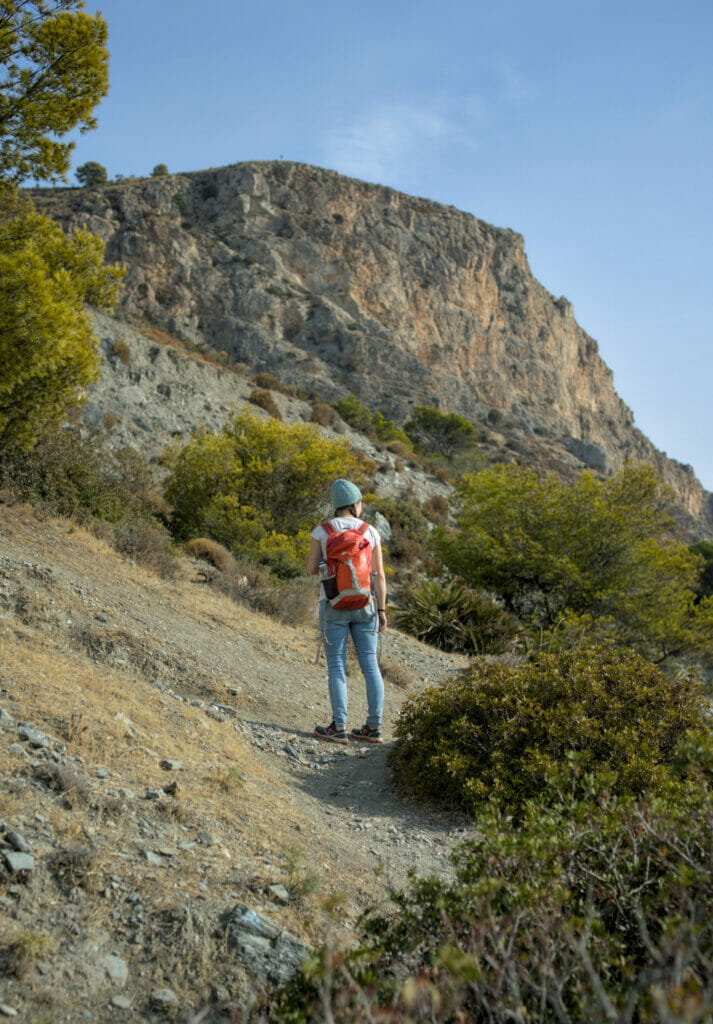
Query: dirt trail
{"type": "Point", "coordinates": [175, 670]}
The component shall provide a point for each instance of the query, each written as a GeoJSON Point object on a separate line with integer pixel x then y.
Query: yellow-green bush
{"type": "Point", "coordinates": [48, 352]}
{"type": "Point", "coordinates": [258, 487]}
{"type": "Point", "coordinates": [595, 554]}
{"type": "Point", "coordinates": [500, 734]}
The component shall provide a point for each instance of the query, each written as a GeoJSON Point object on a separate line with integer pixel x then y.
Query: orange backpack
{"type": "Point", "coordinates": [348, 582]}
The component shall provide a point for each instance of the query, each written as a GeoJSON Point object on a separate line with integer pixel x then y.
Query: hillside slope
{"type": "Point", "coordinates": [334, 284]}
{"type": "Point", "coordinates": [158, 767]}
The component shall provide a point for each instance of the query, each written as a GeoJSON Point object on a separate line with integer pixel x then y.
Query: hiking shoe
{"type": "Point", "coordinates": [331, 733]}
{"type": "Point", "coordinates": [368, 733]}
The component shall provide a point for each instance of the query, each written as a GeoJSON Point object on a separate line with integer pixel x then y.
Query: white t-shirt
{"type": "Point", "coordinates": [343, 523]}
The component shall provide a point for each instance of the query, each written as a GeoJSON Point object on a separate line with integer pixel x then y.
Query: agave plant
{"type": "Point", "coordinates": [451, 616]}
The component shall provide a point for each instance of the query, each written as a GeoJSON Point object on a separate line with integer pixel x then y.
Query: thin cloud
{"type": "Point", "coordinates": [382, 143]}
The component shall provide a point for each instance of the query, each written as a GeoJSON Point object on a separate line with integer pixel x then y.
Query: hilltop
{"type": "Point", "coordinates": [337, 286]}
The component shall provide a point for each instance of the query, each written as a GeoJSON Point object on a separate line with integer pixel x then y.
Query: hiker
{"type": "Point", "coordinates": [364, 623]}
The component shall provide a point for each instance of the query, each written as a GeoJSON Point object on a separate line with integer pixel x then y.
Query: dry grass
{"type": "Point", "coordinates": [21, 948]}
{"type": "Point", "coordinates": [211, 551]}
{"type": "Point", "coordinates": [264, 399]}
{"type": "Point", "coordinates": [117, 721]}
{"type": "Point", "coordinates": [122, 351]}
{"type": "Point", "coordinates": [395, 673]}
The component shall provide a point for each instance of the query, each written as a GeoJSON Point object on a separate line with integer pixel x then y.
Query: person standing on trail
{"type": "Point", "coordinates": [359, 610]}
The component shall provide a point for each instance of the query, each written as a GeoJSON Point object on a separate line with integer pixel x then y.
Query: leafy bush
{"type": "Point", "coordinates": [373, 424]}
{"type": "Point", "coordinates": [409, 529]}
{"type": "Point", "coordinates": [68, 476]}
{"type": "Point", "coordinates": [355, 413]}
{"type": "Point", "coordinates": [257, 487]}
{"type": "Point", "coordinates": [438, 433]}
{"type": "Point", "coordinates": [594, 909]}
{"type": "Point", "coordinates": [159, 171]}
{"type": "Point", "coordinates": [704, 549]}
{"type": "Point", "coordinates": [501, 734]}
{"type": "Point", "coordinates": [590, 913]}
{"type": "Point", "coordinates": [598, 550]}
{"type": "Point", "coordinates": [452, 617]}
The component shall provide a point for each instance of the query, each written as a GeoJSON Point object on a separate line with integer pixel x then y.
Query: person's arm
{"type": "Point", "coordinates": [315, 557]}
{"type": "Point", "coordinates": [377, 566]}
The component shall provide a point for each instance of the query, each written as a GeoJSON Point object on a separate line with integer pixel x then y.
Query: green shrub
{"type": "Point", "coordinates": [438, 433]}
{"type": "Point", "coordinates": [596, 550]}
{"type": "Point", "coordinates": [258, 487]}
{"type": "Point", "coordinates": [452, 617]}
{"type": "Point", "coordinates": [409, 529]}
{"type": "Point", "coordinates": [595, 909]}
{"type": "Point", "coordinates": [67, 475]}
{"type": "Point", "coordinates": [501, 733]}
{"type": "Point", "coordinates": [704, 548]}
{"type": "Point", "coordinates": [355, 413]}
{"type": "Point", "coordinates": [373, 424]}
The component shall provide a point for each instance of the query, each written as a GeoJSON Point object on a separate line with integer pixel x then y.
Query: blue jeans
{"type": "Point", "coordinates": [363, 624]}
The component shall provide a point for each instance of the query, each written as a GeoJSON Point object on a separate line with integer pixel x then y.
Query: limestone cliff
{"type": "Point", "coordinates": [340, 286]}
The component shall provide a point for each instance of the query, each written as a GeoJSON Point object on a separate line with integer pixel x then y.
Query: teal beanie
{"type": "Point", "coordinates": [344, 493]}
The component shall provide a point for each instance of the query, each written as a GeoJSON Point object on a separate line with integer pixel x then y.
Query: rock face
{"type": "Point", "coordinates": [340, 286]}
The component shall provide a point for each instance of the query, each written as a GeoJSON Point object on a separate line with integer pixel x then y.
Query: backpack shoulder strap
{"type": "Point", "coordinates": [363, 528]}
{"type": "Point", "coordinates": [328, 528]}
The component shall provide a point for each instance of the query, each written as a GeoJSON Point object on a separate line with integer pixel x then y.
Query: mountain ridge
{"type": "Point", "coordinates": [339, 286]}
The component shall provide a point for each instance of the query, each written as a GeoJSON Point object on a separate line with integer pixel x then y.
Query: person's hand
{"type": "Point", "coordinates": [382, 620]}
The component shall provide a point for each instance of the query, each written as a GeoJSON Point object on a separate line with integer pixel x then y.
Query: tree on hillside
{"type": "Point", "coordinates": [48, 353]}
{"type": "Point", "coordinates": [704, 549]}
{"type": "Point", "coordinates": [91, 174]}
{"type": "Point", "coordinates": [595, 556]}
{"type": "Point", "coordinates": [55, 70]}
{"type": "Point", "coordinates": [439, 433]}
{"type": "Point", "coordinates": [159, 171]}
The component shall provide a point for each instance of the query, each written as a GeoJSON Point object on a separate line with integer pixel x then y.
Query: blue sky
{"type": "Point", "coordinates": [586, 127]}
